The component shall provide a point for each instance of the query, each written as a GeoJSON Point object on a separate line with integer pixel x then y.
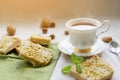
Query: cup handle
{"type": "Point", "coordinates": [104, 23]}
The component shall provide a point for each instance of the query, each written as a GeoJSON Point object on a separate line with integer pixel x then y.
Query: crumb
{"type": "Point", "coordinates": [52, 25]}
{"type": "Point", "coordinates": [52, 36]}
{"type": "Point", "coordinates": [44, 30]}
{"type": "Point", "coordinates": [66, 32]}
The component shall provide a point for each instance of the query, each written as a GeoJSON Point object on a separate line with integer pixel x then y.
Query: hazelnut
{"type": "Point", "coordinates": [66, 32]}
{"type": "Point", "coordinates": [44, 30]}
{"type": "Point", "coordinates": [11, 30]}
{"type": "Point", "coordinates": [45, 23]}
{"type": "Point", "coordinates": [107, 39]}
{"type": "Point", "coordinates": [52, 24]}
{"type": "Point", "coordinates": [52, 36]}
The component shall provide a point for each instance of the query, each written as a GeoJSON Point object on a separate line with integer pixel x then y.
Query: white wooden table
{"type": "Point", "coordinates": [25, 30]}
{"type": "Point", "coordinates": [107, 55]}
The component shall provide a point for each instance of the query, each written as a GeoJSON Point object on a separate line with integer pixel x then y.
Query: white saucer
{"type": "Point", "coordinates": [66, 47]}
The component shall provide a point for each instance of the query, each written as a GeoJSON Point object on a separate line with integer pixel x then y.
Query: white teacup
{"type": "Point", "coordinates": [83, 31]}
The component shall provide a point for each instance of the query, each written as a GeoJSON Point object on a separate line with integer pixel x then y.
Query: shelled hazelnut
{"type": "Point", "coordinates": [66, 32]}
{"type": "Point", "coordinates": [44, 30]}
{"type": "Point", "coordinates": [52, 36]}
{"type": "Point", "coordinates": [107, 39]}
{"type": "Point", "coordinates": [45, 23]}
{"type": "Point", "coordinates": [11, 30]}
{"type": "Point", "coordinates": [52, 24]}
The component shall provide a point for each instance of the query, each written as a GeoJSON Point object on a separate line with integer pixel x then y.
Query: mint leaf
{"type": "Point", "coordinates": [78, 68]}
{"type": "Point", "coordinates": [76, 59]}
{"type": "Point", "coordinates": [67, 69]}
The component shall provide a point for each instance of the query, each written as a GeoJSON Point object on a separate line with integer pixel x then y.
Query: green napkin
{"type": "Point", "coordinates": [14, 68]}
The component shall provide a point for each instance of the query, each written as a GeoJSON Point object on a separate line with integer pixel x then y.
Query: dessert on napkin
{"type": "Point", "coordinates": [19, 69]}
{"type": "Point", "coordinates": [30, 51]}
{"type": "Point", "coordinates": [35, 53]}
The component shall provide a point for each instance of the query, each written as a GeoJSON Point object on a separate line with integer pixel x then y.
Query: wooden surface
{"type": "Point", "coordinates": [25, 30]}
{"type": "Point", "coordinates": [112, 59]}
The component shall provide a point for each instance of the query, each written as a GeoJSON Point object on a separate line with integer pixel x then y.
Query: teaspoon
{"type": "Point", "coordinates": [114, 48]}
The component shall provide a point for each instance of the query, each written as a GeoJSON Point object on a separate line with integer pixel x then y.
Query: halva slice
{"type": "Point", "coordinates": [35, 53]}
{"type": "Point", "coordinates": [8, 43]}
{"type": "Point", "coordinates": [94, 68]}
{"type": "Point", "coordinates": [43, 40]}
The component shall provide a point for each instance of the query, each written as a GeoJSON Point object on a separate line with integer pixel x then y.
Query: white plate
{"type": "Point", "coordinates": [66, 47]}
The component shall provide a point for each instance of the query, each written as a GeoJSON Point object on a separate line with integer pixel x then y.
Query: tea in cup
{"type": "Point", "coordinates": [83, 31]}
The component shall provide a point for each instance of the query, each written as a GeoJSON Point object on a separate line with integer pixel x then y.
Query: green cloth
{"type": "Point", "coordinates": [14, 68]}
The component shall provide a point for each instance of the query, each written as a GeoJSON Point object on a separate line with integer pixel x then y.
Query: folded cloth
{"type": "Point", "coordinates": [14, 68]}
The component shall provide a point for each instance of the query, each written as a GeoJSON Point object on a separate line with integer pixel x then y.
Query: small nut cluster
{"type": "Point", "coordinates": [45, 24]}
{"type": "Point", "coordinates": [107, 39]}
{"type": "Point", "coordinates": [11, 30]}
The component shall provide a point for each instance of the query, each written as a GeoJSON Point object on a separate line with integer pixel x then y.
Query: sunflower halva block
{"type": "Point", "coordinates": [8, 43]}
{"type": "Point", "coordinates": [35, 53]}
{"type": "Point", "coordinates": [94, 68]}
{"type": "Point", "coordinates": [40, 39]}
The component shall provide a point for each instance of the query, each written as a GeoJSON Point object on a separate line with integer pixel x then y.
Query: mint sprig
{"type": "Point", "coordinates": [67, 69]}
{"type": "Point", "coordinates": [77, 60]}
{"type": "Point", "coordinates": [78, 68]}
